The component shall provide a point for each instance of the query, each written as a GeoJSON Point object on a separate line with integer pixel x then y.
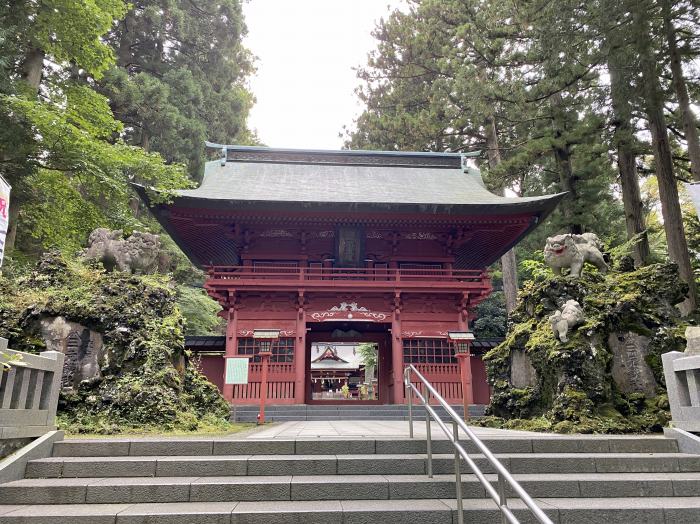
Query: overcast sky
{"type": "Point", "coordinates": [306, 51]}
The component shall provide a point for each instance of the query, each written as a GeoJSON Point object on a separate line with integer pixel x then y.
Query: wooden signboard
{"type": "Point", "coordinates": [349, 247]}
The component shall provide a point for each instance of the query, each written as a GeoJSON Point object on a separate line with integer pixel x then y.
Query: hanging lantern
{"type": "Point", "coordinates": [264, 339]}
{"type": "Point", "coordinates": [461, 341]}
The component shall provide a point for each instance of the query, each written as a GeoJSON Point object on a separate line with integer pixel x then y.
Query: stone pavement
{"type": "Point", "coordinates": [364, 429]}
{"type": "Point", "coordinates": [334, 429]}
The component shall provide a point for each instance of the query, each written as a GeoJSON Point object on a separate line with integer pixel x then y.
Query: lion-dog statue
{"type": "Point", "coordinates": [570, 315]}
{"type": "Point", "coordinates": [571, 251]}
{"type": "Point", "coordinates": [136, 254]}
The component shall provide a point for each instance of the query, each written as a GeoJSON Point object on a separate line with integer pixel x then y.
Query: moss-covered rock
{"type": "Point", "coordinates": [145, 375]}
{"type": "Point", "coordinates": [579, 385]}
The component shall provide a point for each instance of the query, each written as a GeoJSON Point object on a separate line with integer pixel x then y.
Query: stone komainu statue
{"type": "Point", "coordinates": [570, 315]}
{"type": "Point", "coordinates": [135, 254]}
{"type": "Point", "coordinates": [571, 251]}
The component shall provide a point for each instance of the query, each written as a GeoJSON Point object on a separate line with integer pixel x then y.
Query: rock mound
{"type": "Point", "coordinates": [126, 365]}
{"type": "Point", "coordinates": [607, 377]}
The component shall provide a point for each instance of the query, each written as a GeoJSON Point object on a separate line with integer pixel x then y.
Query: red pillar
{"type": "Point", "coordinates": [397, 353]}
{"type": "Point", "coordinates": [300, 358]}
{"type": "Point", "coordinates": [463, 313]}
{"type": "Point", "coordinates": [265, 360]}
{"type": "Point", "coordinates": [231, 345]}
{"type": "Point", "coordinates": [465, 362]}
{"type": "Point", "coordinates": [465, 371]}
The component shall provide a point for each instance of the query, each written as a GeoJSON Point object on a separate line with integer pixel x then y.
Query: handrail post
{"type": "Point", "coordinates": [497, 493]}
{"type": "Point", "coordinates": [458, 476]}
{"type": "Point", "coordinates": [428, 441]}
{"type": "Point", "coordinates": [503, 501]}
{"type": "Point", "coordinates": [409, 395]}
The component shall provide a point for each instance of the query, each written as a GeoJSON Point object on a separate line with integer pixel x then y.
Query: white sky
{"type": "Point", "coordinates": [305, 82]}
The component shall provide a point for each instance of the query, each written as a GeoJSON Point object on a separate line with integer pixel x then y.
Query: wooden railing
{"type": "Point", "coordinates": [280, 384]}
{"type": "Point", "coordinates": [274, 369]}
{"type": "Point", "coordinates": [392, 276]}
{"type": "Point", "coordinates": [437, 372]}
{"type": "Point", "coordinates": [444, 378]}
{"type": "Point", "coordinates": [278, 392]}
{"type": "Point", "coordinates": [450, 390]}
{"type": "Point", "coordinates": [28, 392]}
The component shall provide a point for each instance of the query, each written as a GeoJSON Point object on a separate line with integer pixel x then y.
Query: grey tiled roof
{"type": "Point", "coordinates": [352, 184]}
{"type": "Point", "coordinates": [363, 185]}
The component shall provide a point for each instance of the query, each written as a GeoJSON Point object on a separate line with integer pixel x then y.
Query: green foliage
{"type": "Point", "coordinates": [443, 68]}
{"type": "Point", "coordinates": [101, 94]}
{"type": "Point", "coordinates": [574, 390]}
{"type": "Point", "coordinates": [180, 77]}
{"type": "Point", "coordinates": [443, 71]}
{"type": "Point", "coordinates": [80, 180]}
{"type": "Point", "coordinates": [72, 31]}
{"type": "Point", "coordinates": [368, 353]}
{"type": "Point", "coordinates": [535, 270]}
{"type": "Point", "coordinates": [61, 147]}
{"type": "Point", "coordinates": [491, 318]}
{"type": "Point", "coordinates": [147, 379]}
{"type": "Point", "coordinates": [199, 311]}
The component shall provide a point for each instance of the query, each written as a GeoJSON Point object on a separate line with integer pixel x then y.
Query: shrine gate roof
{"type": "Point", "coordinates": [254, 177]}
{"type": "Point", "coordinates": [259, 183]}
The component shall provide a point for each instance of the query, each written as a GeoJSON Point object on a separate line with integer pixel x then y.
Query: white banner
{"type": "Point", "coordinates": [4, 214]}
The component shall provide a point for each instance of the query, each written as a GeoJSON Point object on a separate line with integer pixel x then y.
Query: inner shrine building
{"type": "Point", "coordinates": [363, 260]}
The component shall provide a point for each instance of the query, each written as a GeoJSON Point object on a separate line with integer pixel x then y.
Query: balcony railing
{"type": "Point", "coordinates": [321, 274]}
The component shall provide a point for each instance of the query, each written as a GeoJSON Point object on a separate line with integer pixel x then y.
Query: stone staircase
{"type": "Point", "coordinates": [575, 479]}
{"type": "Point", "coordinates": [295, 412]}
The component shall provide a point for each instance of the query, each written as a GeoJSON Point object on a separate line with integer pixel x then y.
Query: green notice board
{"type": "Point", "coordinates": [236, 371]}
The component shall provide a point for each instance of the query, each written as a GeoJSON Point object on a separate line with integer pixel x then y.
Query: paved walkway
{"type": "Point", "coordinates": [374, 429]}
{"type": "Point", "coordinates": [354, 429]}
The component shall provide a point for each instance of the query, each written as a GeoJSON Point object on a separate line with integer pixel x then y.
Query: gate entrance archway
{"type": "Point", "coordinates": [334, 360]}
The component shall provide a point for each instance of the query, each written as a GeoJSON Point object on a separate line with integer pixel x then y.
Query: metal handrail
{"type": "Point", "coordinates": [499, 495]}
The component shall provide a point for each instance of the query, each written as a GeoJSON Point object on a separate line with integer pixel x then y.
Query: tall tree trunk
{"type": "Point", "coordinates": [562, 156]}
{"type": "Point", "coordinates": [668, 189]}
{"type": "Point", "coordinates": [690, 125]}
{"type": "Point", "coordinates": [626, 156]}
{"type": "Point", "coordinates": [33, 67]}
{"type": "Point", "coordinates": [12, 216]}
{"type": "Point", "coordinates": [31, 71]}
{"type": "Point", "coordinates": [124, 53]}
{"type": "Point", "coordinates": [509, 264]}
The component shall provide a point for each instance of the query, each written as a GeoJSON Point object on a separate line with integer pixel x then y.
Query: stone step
{"type": "Point", "coordinates": [286, 417]}
{"type": "Point", "coordinates": [371, 407]}
{"type": "Point", "coordinates": [340, 407]}
{"type": "Point", "coordinates": [292, 418]}
{"type": "Point", "coordinates": [222, 446]}
{"type": "Point", "coordinates": [438, 511]}
{"type": "Point", "coordinates": [285, 413]}
{"type": "Point", "coordinates": [348, 410]}
{"type": "Point", "coordinates": [363, 464]}
{"type": "Point", "coordinates": [331, 487]}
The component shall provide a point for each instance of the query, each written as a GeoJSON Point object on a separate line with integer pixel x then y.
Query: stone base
{"type": "Point", "coordinates": [689, 419]}
{"type": "Point", "coordinates": [13, 467]}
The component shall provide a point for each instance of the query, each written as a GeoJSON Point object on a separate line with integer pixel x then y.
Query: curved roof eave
{"type": "Point", "coordinates": [535, 205]}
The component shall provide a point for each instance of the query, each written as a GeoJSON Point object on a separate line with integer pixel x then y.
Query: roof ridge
{"type": "Point", "coordinates": [239, 153]}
